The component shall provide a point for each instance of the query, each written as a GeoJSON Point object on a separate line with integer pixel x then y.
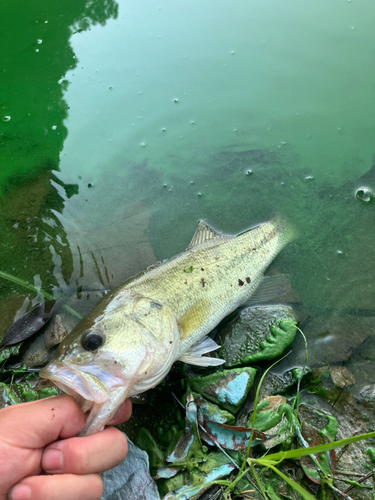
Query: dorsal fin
{"type": "Point", "coordinates": [204, 233]}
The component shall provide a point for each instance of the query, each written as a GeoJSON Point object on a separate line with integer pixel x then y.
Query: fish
{"type": "Point", "coordinates": [129, 341]}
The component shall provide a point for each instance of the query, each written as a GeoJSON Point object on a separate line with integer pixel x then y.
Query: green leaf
{"type": "Point", "coordinates": [305, 494]}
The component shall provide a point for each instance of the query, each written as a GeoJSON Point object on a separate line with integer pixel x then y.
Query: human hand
{"type": "Point", "coordinates": [41, 459]}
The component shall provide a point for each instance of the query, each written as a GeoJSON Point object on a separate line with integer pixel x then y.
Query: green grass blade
{"type": "Point", "coordinates": [258, 481]}
{"type": "Point", "coordinates": [296, 401]}
{"type": "Point", "coordinates": [305, 494]}
{"type": "Point", "coordinates": [302, 452]}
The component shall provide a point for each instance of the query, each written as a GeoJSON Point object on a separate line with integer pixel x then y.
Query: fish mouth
{"type": "Point", "coordinates": [88, 384]}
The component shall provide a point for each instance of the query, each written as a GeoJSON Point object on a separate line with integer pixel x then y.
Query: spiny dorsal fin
{"type": "Point", "coordinates": [204, 233]}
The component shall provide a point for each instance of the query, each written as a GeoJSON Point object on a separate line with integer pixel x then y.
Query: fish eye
{"type": "Point", "coordinates": [92, 341]}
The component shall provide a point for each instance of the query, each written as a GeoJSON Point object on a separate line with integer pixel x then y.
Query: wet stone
{"type": "Point", "coordinates": [228, 388]}
{"type": "Point", "coordinates": [243, 336]}
{"type": "Point", "coordinates": [357, 416]}
{"type": "Point", "coordinates": [341, 376]}
{"type": "Point", "coordinates": [274, 383]}
{"type": "Point", "coordinates": [131, 479]}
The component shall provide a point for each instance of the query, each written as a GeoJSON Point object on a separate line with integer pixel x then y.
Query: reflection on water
{"type": "Point", "coordinates": [34, 242]}
{"type": "Point", "coordinates": [122, 128]}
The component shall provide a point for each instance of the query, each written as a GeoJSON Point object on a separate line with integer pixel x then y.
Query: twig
{"type": "Point", "coordinates": [342, 390]}
{"type": "Point", "coordinates": [360, 481]}
{"type": "Point", "coordinates": [344, 473]}
{"type": "Point", "coordinates": [347, 497]}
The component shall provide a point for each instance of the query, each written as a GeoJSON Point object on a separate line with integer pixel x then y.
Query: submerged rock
{"type": "Point", "coordinates": [243, 337]}
{"type": "Point", "coordinates": [333, 339]}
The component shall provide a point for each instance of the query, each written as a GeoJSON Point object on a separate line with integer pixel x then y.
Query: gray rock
{"type": "Point", "coordinates": [131, 479]}
{"type": "Point", "coordinates": [341, 376]}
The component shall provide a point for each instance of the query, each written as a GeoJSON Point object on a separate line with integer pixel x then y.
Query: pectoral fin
{"type": "Point", "coordinates": [194, 355]}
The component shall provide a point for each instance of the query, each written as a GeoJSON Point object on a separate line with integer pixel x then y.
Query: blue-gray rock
{"type": "Point", "coordinates": [131, 479]}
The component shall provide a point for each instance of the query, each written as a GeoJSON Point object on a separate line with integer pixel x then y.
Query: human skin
{"type": "Point", "coordinates": [42, 459]}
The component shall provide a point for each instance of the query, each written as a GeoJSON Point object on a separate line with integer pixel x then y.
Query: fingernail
{"type": "Point", "coordinates": [52, 461]}
{"type": "Point", "coordinates": [20, 492]}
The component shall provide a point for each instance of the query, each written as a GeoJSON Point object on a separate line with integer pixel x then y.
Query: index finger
{"type": "Point", "coordinates": [36, 424]}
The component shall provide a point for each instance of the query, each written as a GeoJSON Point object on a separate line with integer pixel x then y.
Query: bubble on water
{"type": "Point", "coordinates": [39, 41]}
{"type": "Point", "coordinates": [6, 119]}
{"type": "Point", "coordinates": [249, 172]}
{"type": "Point", "coordinates": [110, 87]}
{"type": "Point", "coordinates": [163, 129]}
{"type": "Point", "coordinates": [309, 177]}
{"type": "Point", "coordinates": [164, 185]}
{"type": "Point", "coordinates": [232, 52]}
{"type": "Point", "coordinates": [143, 144]}
{"type": "Point", "coordinates": [36, 50]}
{"type": "Point", "coordinates": [199, 194]}
{"type": "Point", "coordinates": [90, 185]}
{"type": "Point", "coordinates": [45, 22]}
{"type": "Point", "coordinates": [192, 122]}
{"type": "Point", "coordinates": [191, 182]}
{"type": "Point", "coordinates": [54, 127]}
{"type": "Point", "coordinates": [175, 100]}
{"type": "Point", "coordinates": [364, 194]}
{"type": "Point", "coordinates": [340, 252]}
{"type": "Point", "coordinates": [234, 130]}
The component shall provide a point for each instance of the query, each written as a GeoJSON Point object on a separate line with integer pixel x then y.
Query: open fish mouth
{"type": "Point", "coordinates": [88, 384]}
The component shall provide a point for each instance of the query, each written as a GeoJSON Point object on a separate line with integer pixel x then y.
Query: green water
{"type": "Point", "coordinates": [124, 123]}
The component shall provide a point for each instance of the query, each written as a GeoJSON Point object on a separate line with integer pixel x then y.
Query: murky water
{"type": "Point", "coordinates": [124, 123]}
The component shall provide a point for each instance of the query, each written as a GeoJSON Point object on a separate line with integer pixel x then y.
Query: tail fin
{"type": "Point", "coordinates": [288, 232]}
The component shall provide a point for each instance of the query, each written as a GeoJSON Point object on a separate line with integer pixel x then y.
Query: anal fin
{"type": "Point", "coordinates": [194, 355]}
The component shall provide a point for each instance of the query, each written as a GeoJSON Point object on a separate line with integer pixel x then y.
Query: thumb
{"type": "Point", "coordinates": [36, 424]}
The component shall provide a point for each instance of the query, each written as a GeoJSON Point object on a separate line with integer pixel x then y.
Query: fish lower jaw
{"type": "Point", "coordinates": [87, 391]}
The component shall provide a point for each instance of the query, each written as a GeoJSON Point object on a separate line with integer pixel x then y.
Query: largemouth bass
{"type": "Point", "coordinates": [129, 341]}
